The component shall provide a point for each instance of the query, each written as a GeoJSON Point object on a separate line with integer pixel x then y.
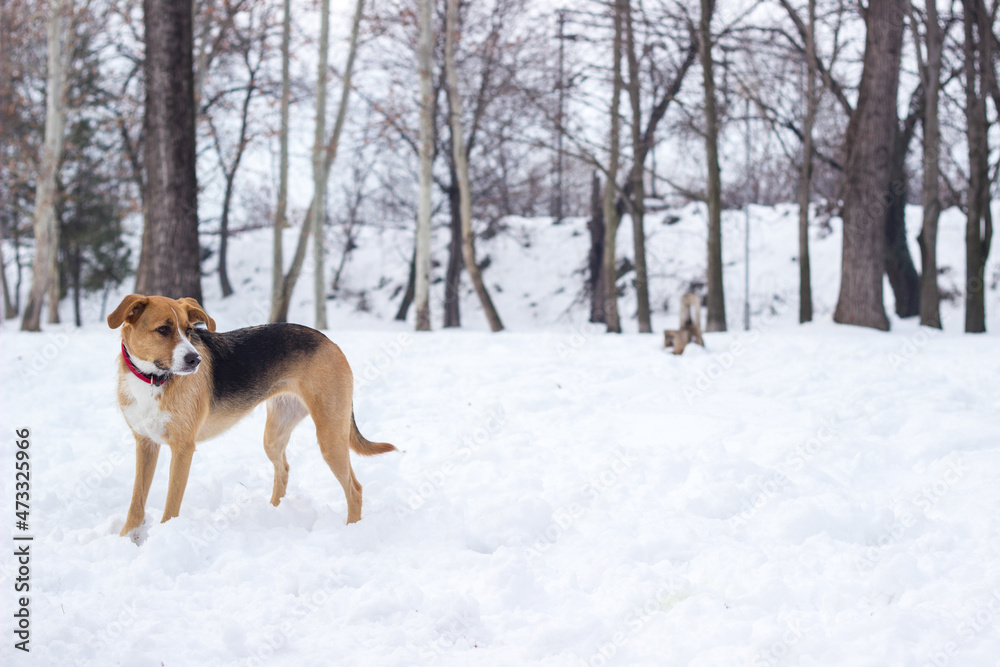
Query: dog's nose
{"type": "Point", "coordinates": [192, 359]}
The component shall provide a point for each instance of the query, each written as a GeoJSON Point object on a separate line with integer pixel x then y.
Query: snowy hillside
{"type": "Point", "coordinates": [792, 495]}
{"type": "Point", "coordinates": [536, 271]}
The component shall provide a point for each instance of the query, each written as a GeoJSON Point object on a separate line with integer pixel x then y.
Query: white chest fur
{"type": "Point", "coordinates": [142, 409]}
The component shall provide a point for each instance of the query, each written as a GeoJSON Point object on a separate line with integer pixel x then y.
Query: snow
{"type": "Point", "coordinates": [789, 495]}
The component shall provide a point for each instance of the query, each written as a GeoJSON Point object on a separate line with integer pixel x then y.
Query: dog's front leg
{"type": "Point", "coordinates": [146, 453]}
{"type": "Point", "coordinates": [180, 466]}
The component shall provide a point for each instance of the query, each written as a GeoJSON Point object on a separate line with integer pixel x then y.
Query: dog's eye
{"type": "Point", "coordinates": [163, 331]}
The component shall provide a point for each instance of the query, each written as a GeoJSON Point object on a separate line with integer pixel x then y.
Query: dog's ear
{"type": "Point", "coordinates": [196, 313]}
{"type": "Point", "coordinates": [128, 310]}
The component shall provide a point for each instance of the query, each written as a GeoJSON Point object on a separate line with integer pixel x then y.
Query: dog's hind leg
{"type": "Point", "coordinates": [336, 453]}
{"type": "Point", "coordinates": [284, 412]}
{"type": "Point", "coordinates": [334, 434]}
{"type": "Point", "coordinates": [327, 392]}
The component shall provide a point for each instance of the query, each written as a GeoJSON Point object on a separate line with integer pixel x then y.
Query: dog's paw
{"type": "Point", "coordinates": [139, 535]}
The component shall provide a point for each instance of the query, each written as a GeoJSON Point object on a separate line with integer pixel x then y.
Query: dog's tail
{"type": "Point", "coordinates": [363, 446]}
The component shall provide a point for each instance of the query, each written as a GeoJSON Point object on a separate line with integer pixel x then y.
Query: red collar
{"type": "Point", "coordinates": [155, 380]}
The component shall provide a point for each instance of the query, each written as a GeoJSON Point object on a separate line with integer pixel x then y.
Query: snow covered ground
{"type": "Point", "coordinates": [791, 495]}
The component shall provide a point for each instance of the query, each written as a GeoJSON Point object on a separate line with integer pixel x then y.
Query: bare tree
{"type": "Point", "coordinates": [978, 62]}
{"type": "Point", "coordinates": [715, 319]}
{"type": "Point", "coordinates": [462, 169]}
{"type": "Point", "coordinates": [899, 268]}
{"type": "Point", "coordinates": [497, 63]}
{"type": "Point", "coordinates": [644, 40]}
{"type": "Point", "coordinates": [8, 19]}
{"type": "Point", "coordinates": [487, 54]}
{"type": "Point", "coordinates": [422, 258]}
{"type": "Point", "coordinates": [8, 306]}
{"type": "Point", "coordinates": [929, 68]}
{"type": "Point", "coordinates": [785, 107]}
{"type": "Point", "coordinates": [46, 223]}
{"type": "Point", "coordinates": [898, 264]}
{"type": "Point", "coordinates": [9, 311]}
{"type": "Point", "coordinates": [170, 263]}
{"type": "Point", "coordinates": [356, 195]}
{"type": "Point", "coordinates": [318, 208]}
{"type": "Point", "coordinates": [279, 306]}
{"type": "Point", "coordinates": [214, 22]}
{"type": "Point", "coordinates": [453, 271]}
{"type": "Point", "coordinates": [638, 189]}
{"type": "Point", "coordinates": [665, 90]}
{"type": "Point", "coordinates": [595, 259]}
{"type": "Point", "coordinates": [248, 42]}
{"type": "Point", "coordinates": [611, 219]}
{"type": "Point", "coordinates": [323, 159]}
{"type": "Point", "coordinates": [805, 171]}
{"type": "Point", "coordinates": [869, 147]}
{"type": "Point", "coordinates": [210, 29]}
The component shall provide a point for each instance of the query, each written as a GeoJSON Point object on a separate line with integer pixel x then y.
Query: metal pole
{"type": "Point", "coordinates": [746, 239]}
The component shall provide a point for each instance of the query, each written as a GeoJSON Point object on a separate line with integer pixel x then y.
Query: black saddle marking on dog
{"type": "Point", "coordinates": [247, 362]}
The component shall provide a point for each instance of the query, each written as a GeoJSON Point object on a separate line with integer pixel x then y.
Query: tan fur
{"type": "Point", "coordinates": [320, 385]}
{"type": "Point", "coordinates": [690, 325]}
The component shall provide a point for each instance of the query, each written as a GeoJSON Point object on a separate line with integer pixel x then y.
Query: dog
{"type": "Point", "coordinates": [179, 384]}
{"type": "Point", "coordinates": [690, 325]}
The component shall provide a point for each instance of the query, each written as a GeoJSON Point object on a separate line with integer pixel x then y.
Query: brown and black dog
{"type": "Point", "coordinates": [690, 325]}
{"type": "Point", "coordinates": [179, 384]}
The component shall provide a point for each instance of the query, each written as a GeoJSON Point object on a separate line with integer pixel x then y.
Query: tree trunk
{"type": "Point", "coordinates": [350, 232]}
{"type": "Point", "coordinates": [408, 294]}
{"type": "Point", "coordinates": [230, 177]}
{"type": "Point", "coordinates": [930, 299]}
{"type": "Point", "coordinates": [805, 174]}
{"type": "Point", "coordinates": [55, 286]}
{"type": "Point", "coordinates": [9, 312]}
{"type": "Point", "coordinates": [453, 274]}
{"type": "Point", "coordinates": [170, 264]}
{"type": "Point", "coordinates": [930, 76]}
{"type": "Point", "coordinates": [462, 171]}
{"type": "Point", "coordinates": [19, 266]}
{"type": "Point", "coordinates": [903, 277]}
{"type": "Point", "coordinates": [610, 268]}
{"type": "Point", "coordinates": [643, 149]}
{"type": "Point", "coordinates": [595, 260]}
{"type": "Point", "coordinates": [279, 311]}
{"type": "Point", "coordinates": [638, 198]}
{"type": "Point", "coordinates": [634, 190]}
{"type": "Point", "coordinates": [425, 59]}
{"type": "Point", "coordinates": [345, 91]}
{"type": "Point", "coordinates": [318, 216]}
{"type": "Point", "coordinates": [46, 232]}
{"type": "Point", "coordinates": [75, 263]}
{"type": "Point", "coordinates": [279, 308]}
{"type": "Point", "coordinates": [227, 288]}
{"type": "Point", "coordinates": [281, 214]}
{"type": "Point", "coordinates": [979, 224]}
{"type": "Point", "coordinates": [715, 319]}
{"type": "Point", "coordinates": [867, 172]}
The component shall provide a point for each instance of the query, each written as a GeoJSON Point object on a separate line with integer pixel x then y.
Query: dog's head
{"type": "Point", "coordinates": [157, 332]}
